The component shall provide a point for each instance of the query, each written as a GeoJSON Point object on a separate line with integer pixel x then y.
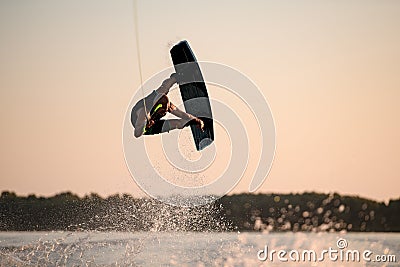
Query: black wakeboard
{"type": "Point", "coordinates": [194, 92]}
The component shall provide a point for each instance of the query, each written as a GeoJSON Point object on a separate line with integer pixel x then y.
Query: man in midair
{"type": "Point", "coordinates": [147, 114]}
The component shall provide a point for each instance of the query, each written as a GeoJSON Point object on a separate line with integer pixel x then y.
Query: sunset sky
{"type": "Point", "coordinates": [330, 71]}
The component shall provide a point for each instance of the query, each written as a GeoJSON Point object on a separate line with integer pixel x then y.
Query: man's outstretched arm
{"type": "Point", "coordinates": [185, 116]}
{"type": "Point", "coordinates": [180, 113]}
{"type": "Point", "coordinates": [166, 85]}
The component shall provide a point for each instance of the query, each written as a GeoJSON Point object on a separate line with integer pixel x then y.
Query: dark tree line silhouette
{"type": "Point", "coordinates": [242, 212]}
{"type": "Point", "coordinates": [311, 212]}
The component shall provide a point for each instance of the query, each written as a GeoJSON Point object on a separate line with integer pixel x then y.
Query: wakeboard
{"type": "Point", "coordinates": [193, 92]}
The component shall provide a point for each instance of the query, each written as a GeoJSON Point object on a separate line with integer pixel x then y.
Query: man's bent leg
{"type": "Point", "coordinates": [163, 126]}
{"type": "Point", "coordinates": [177, 123]}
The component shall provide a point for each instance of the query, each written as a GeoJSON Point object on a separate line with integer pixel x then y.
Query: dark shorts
{"type": "Point", "coordinates": [160, 126]}
{"type": "Point", "coordinates": [163, 126]}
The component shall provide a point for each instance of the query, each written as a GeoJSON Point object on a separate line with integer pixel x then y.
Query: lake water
{"type": "Point", "coordinates": [197, 249]}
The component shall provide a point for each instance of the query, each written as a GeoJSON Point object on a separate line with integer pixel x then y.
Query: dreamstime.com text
{"type": "Point", "coordinates": [341, 253]}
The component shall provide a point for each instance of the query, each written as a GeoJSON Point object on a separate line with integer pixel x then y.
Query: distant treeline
{"type": "Point", "coordinates": [243, 212]}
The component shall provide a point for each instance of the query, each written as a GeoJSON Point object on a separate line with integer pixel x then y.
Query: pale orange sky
{"type": "Point", "coordinates": [329, 70]}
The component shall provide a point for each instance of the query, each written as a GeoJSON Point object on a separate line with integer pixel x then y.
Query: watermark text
{"type": "Point", "coordinates": [339, 253]}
